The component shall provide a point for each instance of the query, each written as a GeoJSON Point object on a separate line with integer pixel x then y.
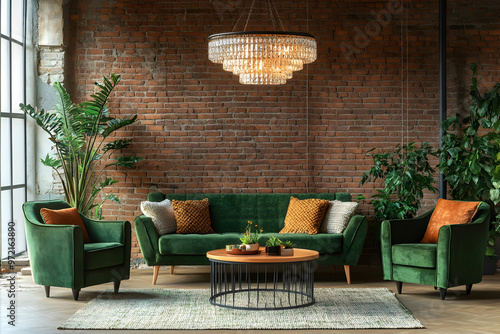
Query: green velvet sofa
{"type": "Point", "coordinates": [229, 214]}
{"type": "Point", "coordinates": [59, 257]}
{"type": "Point", "coordinates": [456, 259]}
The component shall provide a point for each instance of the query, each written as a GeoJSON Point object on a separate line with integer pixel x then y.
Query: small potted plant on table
{"type": "Point", "coordinates": [273, 246]}
{"type": "Point", "coordinates": [287, 248]}
{"type": "Point", "coordinates": [250, 240]}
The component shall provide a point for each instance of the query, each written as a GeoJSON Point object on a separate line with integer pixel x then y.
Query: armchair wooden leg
{"type": "Point", "coordinates": [47, 291]}
{"type": "Point", "coordinates": [116, 286]}
{"type": "Point", "coordinates": [172, 270]}
{"type": "Point", "coordinates": [76, 292]}
{"type": "Point", "coordinates": [468, 287]}
{"type": "Point", "coordinates": [155, 273]}
{"type": "Point", "coordinates": [442, 293]}
{"type": "Point", "coordinates": [347, 270]}
{"type": "Point", "coordinates": [399, 286]}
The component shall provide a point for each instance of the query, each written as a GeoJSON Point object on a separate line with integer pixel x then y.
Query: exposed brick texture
{"type": "Point", "coordinates": [201, 131]}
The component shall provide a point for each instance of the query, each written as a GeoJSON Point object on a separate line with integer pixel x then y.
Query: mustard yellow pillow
{"type": "Point", "coordinates": [305, 216]}
{"type": "Point", "coordinates": [68, 216]}
{"type": "Point", "coordinates": [192, 216]}
{"type": "Point", "coordinates": [447, 213]}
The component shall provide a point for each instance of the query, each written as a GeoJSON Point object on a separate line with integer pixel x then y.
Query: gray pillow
{"type": "Point", "coordinates": [162, 214]}
{"type": "Point", "coordinates": [337, 216]}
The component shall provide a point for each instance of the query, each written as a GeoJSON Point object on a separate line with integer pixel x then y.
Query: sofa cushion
{"type": "Point", "coordinates": [192, 216]}
{"type": "Point", "coordinates": [102, 254]}
{"type": "Point", "coordinates": [304, 216]}
{"type": "Point", "coordinates": [415, 255]}
{"type": "Point", "coordinates": [69, 216]}
{"type": "Point", "coordinates": [337, 216]}
{"type": "Point", "coordinates": [162, 215]}
{"type": "Point", "coordinates": [324, 243]}
{"type": "Point", "coordinates": [195, 244]}
{"type": "Point", "coordinates": [448, 212]}
{"type": "Point", "coordinates": [199, 244]}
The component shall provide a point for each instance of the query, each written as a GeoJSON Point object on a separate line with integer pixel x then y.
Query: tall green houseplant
{"type": "Point", "coordinates": [406, 173]}
{"type": "Point", "coordinates": [79, 133]}
{"type": "Point", "coordinates": [470, 150]}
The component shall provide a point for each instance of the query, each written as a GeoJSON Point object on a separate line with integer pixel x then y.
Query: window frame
{"type": "Point", "coordinates": [10, 116]}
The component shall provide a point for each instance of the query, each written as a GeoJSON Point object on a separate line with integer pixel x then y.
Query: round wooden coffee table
{"type": "Point", "coordinates": [261, 281]}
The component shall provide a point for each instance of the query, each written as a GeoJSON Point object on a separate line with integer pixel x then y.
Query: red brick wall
{"type": "Point", "coordinates": [199, 130]}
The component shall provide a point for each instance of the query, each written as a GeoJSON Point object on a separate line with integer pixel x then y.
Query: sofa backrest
{"type": "Point", "coordinates": [231, 212]}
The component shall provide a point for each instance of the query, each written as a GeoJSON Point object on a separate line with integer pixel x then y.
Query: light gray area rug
{"type": "Point", "coordinates": [349, 308]}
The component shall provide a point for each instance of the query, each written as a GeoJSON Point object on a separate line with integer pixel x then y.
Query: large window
{"type": "Point", "coordinates": [13, 123]}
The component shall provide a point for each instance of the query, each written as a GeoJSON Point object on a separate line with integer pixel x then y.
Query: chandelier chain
{"type": "Point", "coordinates": [249, 14]}
{"type": "Point", "coordinates": [277, 14]}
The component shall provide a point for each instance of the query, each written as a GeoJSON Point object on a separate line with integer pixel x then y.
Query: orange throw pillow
{"type": "Point", "coordinates": [68, 216]}
{"type": "Point", "coordinates": [192, 216]}
{"type": "Point", "coordinates": [448, 213]}
{"type": "Point", "coordinates": [305, 216]}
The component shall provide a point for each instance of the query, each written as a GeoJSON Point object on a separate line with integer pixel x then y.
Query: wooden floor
{"type": "Point", "coordinates": [477, 313]}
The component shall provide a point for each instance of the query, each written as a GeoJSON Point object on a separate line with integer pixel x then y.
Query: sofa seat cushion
{"type": "Point", "coordinates": [102, 254]}
{"type": "Point", "coordinates": [196, 244]}
{"type": "Point", "coordinates": [323, 243]}
{"type": "Point", "coordinates": [415, 255]}
{"type": "Point", "coordinates": [200, 244]}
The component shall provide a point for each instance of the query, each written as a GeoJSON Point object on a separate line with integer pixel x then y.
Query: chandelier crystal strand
{"type": "Point", "coordinates": [262, 58]}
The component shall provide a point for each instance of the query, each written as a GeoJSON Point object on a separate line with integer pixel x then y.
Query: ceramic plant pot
{"type": "Point", "coordinates": [287, 252]}
{"type": "Point", "coordinates": [252, 247]}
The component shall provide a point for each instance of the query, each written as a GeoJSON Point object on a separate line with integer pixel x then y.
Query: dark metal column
{"type": "Point", "coordinates": [442, 85]}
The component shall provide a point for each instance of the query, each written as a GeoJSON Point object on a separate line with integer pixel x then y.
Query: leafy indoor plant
{"type": "Point", "coordinates": [406, 173]}
{"type": "Point", "coordinates": [79, 133]}
{"type": "Point", "coordinates": [251, 239]}
{"type": "Point", "coordinates": [469, 153]}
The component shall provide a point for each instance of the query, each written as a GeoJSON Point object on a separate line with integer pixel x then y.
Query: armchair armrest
{"type": "Point", "coordinates": [147, 236]}
{"type": "Point", "coordinates": [56, 254]}
{"type": "Point", "coordinates": [399, 231]}
{"type": "Point", "coordinates": [460, 252]}
{"type": "Point", "coordinates": [354, 239]}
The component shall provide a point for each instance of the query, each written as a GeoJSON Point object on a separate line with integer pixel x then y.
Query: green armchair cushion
{"type": "Point", "coordinates": [417, 255]}
{"type": "Point", "coordinates": [102, 254]}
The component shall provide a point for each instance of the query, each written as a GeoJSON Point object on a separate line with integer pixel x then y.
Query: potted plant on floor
{"type": "Point", "coordinates": [406, 173]}
{"type": "Point", "coordinates": [469, 156]}
{"type": "Point", "coordinates": [287, 248]}
{"type": "Point", "coordinates": [250, 240]}
{"type": "Point", "coordinates": [80, 134]}
{"type": "Point", "coordinates": [273, 246]}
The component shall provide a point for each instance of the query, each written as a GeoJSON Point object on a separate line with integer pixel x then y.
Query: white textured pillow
{"type": "Point", "coordinates": [337, 216]}
{"type": "Point", "coordinates": [162, 214]}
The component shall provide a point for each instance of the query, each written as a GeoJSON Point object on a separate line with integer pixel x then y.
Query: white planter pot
{"type": "Point", "coordinates": [252, 247]}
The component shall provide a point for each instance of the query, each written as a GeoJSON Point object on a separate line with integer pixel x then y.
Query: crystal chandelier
{"type": "Point", "coordinates": [260, 57]}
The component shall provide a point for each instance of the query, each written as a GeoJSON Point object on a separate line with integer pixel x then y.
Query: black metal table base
{"type": "Point", "coordinates": [261, 286]}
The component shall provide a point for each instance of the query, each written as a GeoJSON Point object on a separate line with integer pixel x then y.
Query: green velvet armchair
{"type": "Point", "coordinates": [59, 257]}
{"type": "Point", "coordinates": [456, 259]}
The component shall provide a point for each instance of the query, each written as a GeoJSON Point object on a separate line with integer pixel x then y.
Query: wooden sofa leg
{"type": "Point", "coordinates": [47, 291]}
{"type": "Point", "coordinates": [399, 287]}
{"type": "Point", "coordinates": [172, 270]}
{"type": "Point", "coordinates": [347, 270]}
{"type": "Point", "coordinates": [155, 273]}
